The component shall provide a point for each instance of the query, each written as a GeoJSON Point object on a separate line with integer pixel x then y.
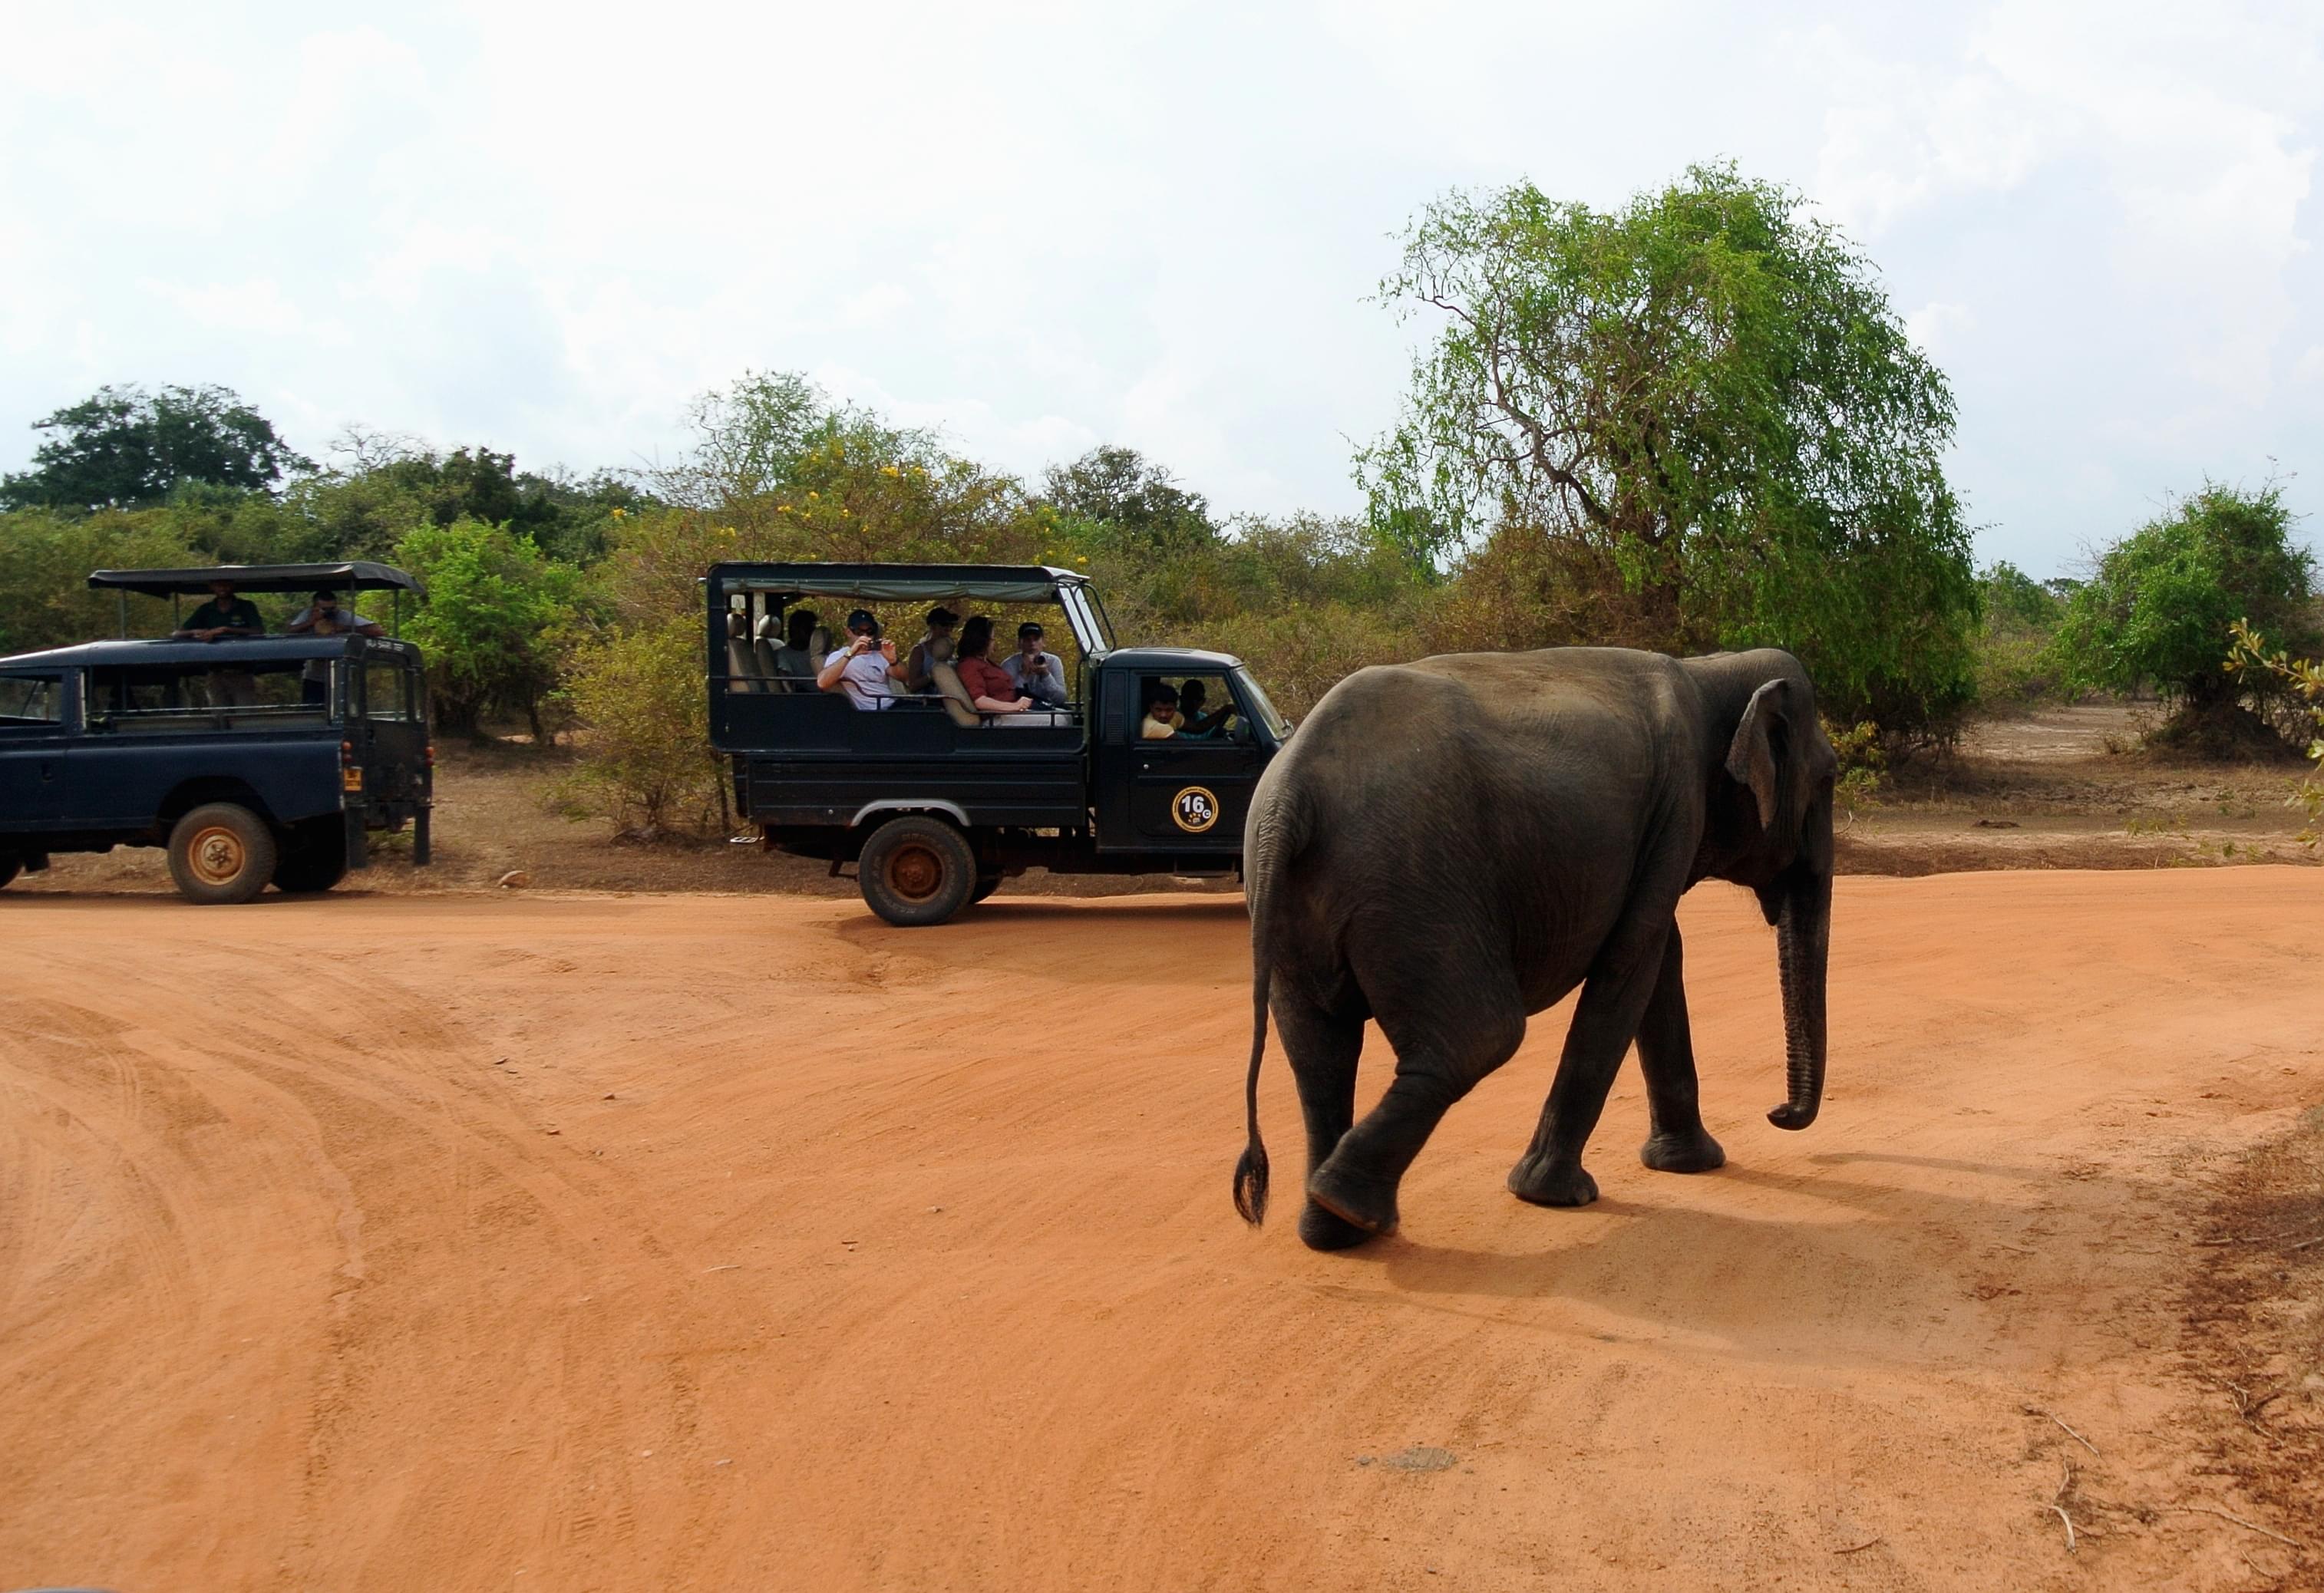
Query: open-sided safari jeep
{"type": "Point", "coordinates": [936, 803]}
{"type": "Point", "coordinates": [256, 760]}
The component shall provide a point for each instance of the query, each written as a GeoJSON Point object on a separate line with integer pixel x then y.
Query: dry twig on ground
{"type": "Point", "coordinates": [2058, 1502]}
{"type": "Point", "coordinates": [2069, 1432]}
{"type": "Point", "coordinates": [2239, 1521]}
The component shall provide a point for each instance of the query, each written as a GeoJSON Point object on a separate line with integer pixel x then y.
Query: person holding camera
{"type": "Point", "coordinates": [866, 668]}
{"type": "Point", "coordinates": [1034, 670]}
{"type": "Point", "coordinates": [322, 617]}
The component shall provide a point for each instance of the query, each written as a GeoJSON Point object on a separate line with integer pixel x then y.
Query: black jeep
{"type": "Point", "coordinates": [256, 760]}
{"type": "Point", "coordinates": [935, 801]}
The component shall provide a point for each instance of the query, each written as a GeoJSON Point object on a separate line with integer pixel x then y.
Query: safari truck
{"type": "Point", "coordinates": [254, 761]}
{"type": "Point", "coordinates": [934, 802]}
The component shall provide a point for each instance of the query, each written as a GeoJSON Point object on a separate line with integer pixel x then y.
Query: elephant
{"type": "Point", "coordinates": [1452, 846]}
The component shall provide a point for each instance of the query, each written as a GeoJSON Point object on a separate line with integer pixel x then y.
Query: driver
{"type": "Point", "coordinates": [1193, 721]}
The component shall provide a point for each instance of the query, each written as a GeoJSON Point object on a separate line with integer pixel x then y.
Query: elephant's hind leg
{"type": "Point", "coordinates": [1440, 1056]}
{"type": "Point", "coordinates": [1676, 1140]}
{"type": "Point", "coordinates": [1323, 1049]}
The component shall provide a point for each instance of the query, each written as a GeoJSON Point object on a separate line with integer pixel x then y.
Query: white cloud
{"type": "Point", "coordinates": [1935, 324]}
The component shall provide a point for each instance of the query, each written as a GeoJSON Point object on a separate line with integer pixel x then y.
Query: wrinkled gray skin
{"type": "Point", "coordinates": [1451, 846]}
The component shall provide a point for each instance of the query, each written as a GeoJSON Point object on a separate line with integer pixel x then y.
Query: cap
{"type": "Point", "coordinates": [1030, 628]}
{"type": "Point", "coordinates": [941, 615]}
{"type": "Point", "coordinates": [862, 620]}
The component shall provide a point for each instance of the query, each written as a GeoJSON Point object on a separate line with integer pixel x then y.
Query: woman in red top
{"type": "Point", "coordinates": [988, 685]}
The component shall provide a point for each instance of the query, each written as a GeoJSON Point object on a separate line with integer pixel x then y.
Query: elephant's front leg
{"type": "Point", "coordinates": [1676, 1140]}
{"type": "Point", "coordinates": [1614, 999]}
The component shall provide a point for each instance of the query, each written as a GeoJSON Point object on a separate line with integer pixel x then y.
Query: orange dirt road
{"type": "Point", "coordinates": [738, 1243]}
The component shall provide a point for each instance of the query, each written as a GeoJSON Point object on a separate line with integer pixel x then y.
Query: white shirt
{"type": "Point", "coordinates": [865, 679]}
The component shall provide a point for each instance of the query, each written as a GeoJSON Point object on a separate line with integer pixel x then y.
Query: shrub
{"type": "Point", "coordinates": [2248, 659]}
{"type": "Point", "coordinates": [647, 762]}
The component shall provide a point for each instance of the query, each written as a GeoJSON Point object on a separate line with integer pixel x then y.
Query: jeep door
{"type": "Point", "coordinates": [387, 725]}
{"type": "Point", "coordinates": [1192, 793]}
{"type": "Point", "coordinates": [34, 733]}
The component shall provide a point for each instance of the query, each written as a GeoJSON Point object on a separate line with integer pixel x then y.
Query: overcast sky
{"type": "Point", "coordinates": [1042, 226]}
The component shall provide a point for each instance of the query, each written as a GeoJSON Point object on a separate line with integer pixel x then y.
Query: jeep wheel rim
{"type": "Point", "coordinates": [217, 856]}
{"type": "Point", "coordinates": [914, 873]}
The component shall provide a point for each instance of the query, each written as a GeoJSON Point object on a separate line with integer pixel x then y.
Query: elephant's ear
{"type": "Point", "coordinates": [1751, 755]}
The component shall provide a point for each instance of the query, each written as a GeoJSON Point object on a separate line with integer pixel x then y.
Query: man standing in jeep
{"type": "Point", "coordinates": [321, 617]}
{"type": "Point", "coordinates": [225, 614]}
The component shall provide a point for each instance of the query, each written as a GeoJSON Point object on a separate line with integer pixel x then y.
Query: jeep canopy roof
{"type": "Point", "coordinates": [233, 652]}
{"type": "Point", "coordinates": [916, 583]}
{"type": "Point", "coordinates": [902, 582]}
{"type": "Point", "coordinates": [358, 575]}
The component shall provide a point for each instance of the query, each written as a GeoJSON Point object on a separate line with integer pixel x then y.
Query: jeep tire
{"type": "Point", "coordinates": [9, 864]}
{"type": "Point", "coordinates": [314, 857]}
{"type": "Point", "coordinates": [221, 853]}
{"type": "Point", "coordinates": [916, 870]}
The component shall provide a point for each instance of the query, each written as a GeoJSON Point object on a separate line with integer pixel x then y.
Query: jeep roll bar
{"type": "Point", "coordinates": [354, 575]}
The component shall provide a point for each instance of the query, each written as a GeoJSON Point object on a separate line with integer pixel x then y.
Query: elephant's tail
{"type": "Point", "coordinates": [1250, 1169]}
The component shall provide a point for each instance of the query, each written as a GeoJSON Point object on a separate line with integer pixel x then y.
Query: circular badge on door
{"type": "Point", "coordinates": [1194, 809]}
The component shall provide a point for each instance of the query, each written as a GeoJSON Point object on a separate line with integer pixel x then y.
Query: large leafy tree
{"type": "Point", "coordinates": [1137, 502]}
{"type": "Point", "coordinates": [125, 447]}
{"type": "Point", "coordinates": [2157, 611]}
{"type": "Point", "coordinates": [1703, 397]}
{"type": "Point", "coordinates": [380, 486]}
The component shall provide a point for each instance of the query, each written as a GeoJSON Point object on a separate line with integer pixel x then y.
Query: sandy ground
{"type": "Point", "coordinates": [599, 1243]}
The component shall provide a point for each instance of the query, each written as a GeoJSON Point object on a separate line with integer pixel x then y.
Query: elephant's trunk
{"type": "Point", "coordinates": [1802, 949]}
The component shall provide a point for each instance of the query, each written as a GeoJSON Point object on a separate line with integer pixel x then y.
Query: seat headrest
{"type": "Point", "coordinates": [956, 701]}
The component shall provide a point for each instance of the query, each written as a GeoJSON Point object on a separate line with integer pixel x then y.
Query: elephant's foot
{"type": "Point", "coordinates": [1546, 1182]}
{"type": "Point", "coordinates": [1323, 1230]}
{"type": "Point", "coordinates": [1682, 1153]}
{"type": "Point", "coordinates": [1366, 1204]}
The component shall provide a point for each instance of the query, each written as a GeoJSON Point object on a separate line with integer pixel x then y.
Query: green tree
{"type": "Point", "coordinates": [1705, 398]}
{"type": "Point", "coordinates": [45, 558]}
{"type": "Point", "coordinates": [2153, 611]}
{"type": "Point", "coordinates": [2011, 596]}
{"type": "Point", "coordinates": [497, 620]}
{"type": "Point", "coordinates": [1135, 502]}
{"type": "Point", "coordinates": [2017, 657]}
{"type": "Point", "coordinates": [125, 446]}
{"type": "Point", "coordinates": [384, 486]}
{"type": "Point", "coordinates": [749, 438]}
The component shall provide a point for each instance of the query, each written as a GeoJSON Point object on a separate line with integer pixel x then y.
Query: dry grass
{"type": "Point", "coordinates": [2255, 1339]}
